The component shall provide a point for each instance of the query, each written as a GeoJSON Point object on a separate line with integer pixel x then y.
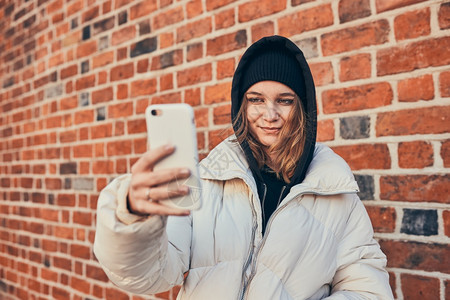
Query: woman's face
{"type": "Point", "coordinates": [269, 104]}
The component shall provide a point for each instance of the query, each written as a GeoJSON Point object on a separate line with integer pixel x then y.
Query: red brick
{"type": "Point", "coordinates": [82, 151]}
{"type": "Point", "coordinates": [201, 117]}
{"type": "Point", "coordinates": [102, 59]}
{"type": "Point", "coordinates": [122, 72]}
{"type": "Point", "coordinates": [445, 153]}
{"type": "Point", "coordinates": [80, 251]}
{"type": "Point", "coordinates": [322, 73]}
{"type": "Point", "coordinates": [428, 120]}
{"type": "Point", "coordinates": [143, 87]}
{"type": "Point", "coordinates": [355, 67]}
{"type": "Point", "coordinates": [446, 218]}
{"type": "Point", "coordinates": [120, 110]}
{"type": "Point", "coordinates": [194, 29]}
{"type": "Point", "coordinates": [122, 91]}
{"type": "Point", "coordinates": [114, 293]}
{"type": "Point", "coordinates": [166, 39]}
{"type": "Point", "coordinates": [325, 130]}
{"type": "Point", "coordinates": [80, 284]}
{"type": "Point", "coordinates": [168, 59]}
{"type": "Point", "coordinates": [226, 43]}
{"type": "Point", "coordinates": [90, 14]}
{"type": "Point", "coordinates": [225, 68]}
{"type": "Point", "coordinates": [418, 154]}
{"type": "Point", "coordinates": [167, 18]}
{"type": "Point", "coordinates": [261, 30]}
{"type": "Point", "coordinates": [143, 8]}
{"type": "Point", "coordinates": [214, 4]}
{"type": "Point", "coordinates": [412, 24]}
{"type": "Point", "coordinates": [418, 55]}
{"type": "Point", "coordinates": [192, 96]}
{"type": "Point", "coordinates": [74, 7]}
{"type": "Point", "coordinates": [356, 156]}
{"type": "Point", "coordinates": [305, 20]}
{"type": "Point", "coordinates": [357, 98]}
{"type": "Point", "coordinates": [103, 167]}
{"type": "Point", "coordinates": [444, 84]}
{"type": "Point", "coordinates": [53, 183]}
{"type": "Point", "coordinates": [222, 114]}
{"type": "Point", "coordinates": [84, 116]}
{"type": "Point", "coordinates": [217, 136]}
{"type": "Point", "coordinates": [384, 5]}
{"type": "Point", "coordinates": [420, 287]}
{"type": "Point", "coordinates": [350, 10]}
{"type": "Point", "coordinates": [87, 48]}
{"type": "Point", "coordinates": [123, 35]}
{"type": "Point", "coordinates": [415, 89]}
{"type": "Point", "coordinates": [194, 8]}
{"type": "Point", "coordinates": [383, 218]}
{"type": "Point", "coordinates": [60, 294]}
{"type": "Point", "coordinates": [136, 126]}
{"type": "Point", "coordinates": [415, 188]}
{"type": "Point", "coordinates": [257, 9]}
{"type": "Point", "coordinates": [96, 273]}
{"type": "Point", "coordinates": [194, 75]}
{"type": "Point", "coordinates": [194, 51]}
{"type": "Point", "coordinates": [101, 131]}
{"type": "Point", "coordinates": [417, 256]}
{"type": "Point", "coordinates": [118, 148]}
{"type": "Point", "coordinates": [218, 93]}
{"type": "Point", "coordinates": [69, 71]}
{"type": "Point", "coordinates": [102, 95]}
{"type": "Point", "coordinates": [354, 38]}
{"type": "Point", "coordinates": [85, 82]}
{"type": "Point", "coordinates": [166, 82]}
{"type": "Point", "coordinates": [167, 98]}
{"type": "Point", "coordinates": [224, 19]}
{"type": "Point", "coordinates": [443, 16]}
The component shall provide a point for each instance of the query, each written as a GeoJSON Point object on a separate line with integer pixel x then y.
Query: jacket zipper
{"type": "Point", "coordinates": [244, 282]}
{"type": "Point", "coordinates": [253, 272]}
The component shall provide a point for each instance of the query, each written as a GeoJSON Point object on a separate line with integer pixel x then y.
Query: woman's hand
{"type": "Point", "coordinates": [148, 188]}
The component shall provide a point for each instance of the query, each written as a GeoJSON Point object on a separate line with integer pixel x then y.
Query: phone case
{"type": "Point", "coordinates": [175, 124]}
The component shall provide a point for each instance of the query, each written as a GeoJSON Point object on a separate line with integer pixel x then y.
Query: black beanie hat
{"type": "Point", "coordinates": [275, 65]}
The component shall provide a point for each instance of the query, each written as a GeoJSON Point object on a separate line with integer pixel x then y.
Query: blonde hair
{"type": "Point", "coordinates": [289, 147]}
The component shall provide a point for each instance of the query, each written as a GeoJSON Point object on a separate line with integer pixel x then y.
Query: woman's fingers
{"type": "Point", "coordinates": [151, 157]}
{"type": "Point", "coordinates": [156, 208]}
{"type": "Point", "coordinates": [149, 179]}
{"type": "Point", "coordinates": [163, 193]}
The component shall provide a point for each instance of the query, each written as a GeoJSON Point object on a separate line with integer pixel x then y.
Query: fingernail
{"type": "Point", "coordinates": [169, 147]}
{"type": "Point", "coordinates": [185, 172]}
{"type": "Point", "coordinates": [184, 189]}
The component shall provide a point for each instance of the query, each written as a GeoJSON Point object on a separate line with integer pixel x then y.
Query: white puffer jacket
{"type": "Point", "coordinates": [318, 243]}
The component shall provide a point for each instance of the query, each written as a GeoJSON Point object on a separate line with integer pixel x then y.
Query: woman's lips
{"type": "Point", "coordinates": [270, 130]}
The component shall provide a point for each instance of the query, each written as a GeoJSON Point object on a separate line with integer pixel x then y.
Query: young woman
{"type": "Point", "coordinates": [280, 217]}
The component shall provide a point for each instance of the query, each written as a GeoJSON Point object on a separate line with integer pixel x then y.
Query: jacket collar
{"type": "Point", "coordinates": [328, 173]}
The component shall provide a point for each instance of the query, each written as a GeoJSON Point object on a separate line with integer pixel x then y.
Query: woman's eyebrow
{"type": "Point", "coordinates": [251, 92]}
{"type": "Point", "coordinates": [287, 94]}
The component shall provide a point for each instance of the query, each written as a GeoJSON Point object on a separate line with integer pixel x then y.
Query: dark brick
{"type": "Point", "coordinates": [10, 32]}
{"type": "Point", "coordinates": [67, 183]}
{"type": "Point", "coordinates": [74, 23]}
{"type": "Point", "coordinates": [350, 10]}
{"type": "Point", "coordinates": [101, 113]}
{"type": "Point", "coordinates": [8, 82]}
{"type": "Point", "coordinates": [28, 22]}
{"type": "Point", "coordinates": [355, 127]}
{"type": "Point", "coordinates": [9, 9]}
{"type": "Point", "coordinates": [20, 14]}
{"type": "Point", "coordinates": [84, 99]}
{"type": "Point", "coordinates": [144, 28]}
{"type": "Point", "coordinates": [419, 222]}
{"type": "Point", "coordinates": [84, 66]}
{"type": "Point", "coordinates": [68, 168]}
{"type": "Point", "coordinates": [51, 199]}
{"type": "Point", "coordinates": [142, 47]}
{"type": "Point", "coordinates": [103, 25]}
{"type": "Point", "coordinates": [366, 187]}
{"type": "Point", "coordinates": [31, 45]}
{"type": "Point", "coordinates": [122, 17]}
{"type": "Point", "coordinates": [103, 43]}
{"type": "Point", "coordinates": [86, 32]}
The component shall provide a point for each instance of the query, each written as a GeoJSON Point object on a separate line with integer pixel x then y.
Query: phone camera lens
{"type": "Point", "coordinates": [154, 112]}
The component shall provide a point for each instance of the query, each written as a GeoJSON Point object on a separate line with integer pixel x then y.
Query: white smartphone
{"type": "Point", "coordinates": [175, 124]}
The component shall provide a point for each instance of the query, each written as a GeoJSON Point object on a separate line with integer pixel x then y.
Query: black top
{"type": "Point", "coordinates": [272, 197]}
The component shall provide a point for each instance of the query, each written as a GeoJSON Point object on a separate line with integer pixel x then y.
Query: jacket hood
{"type": "Point", "coordinates": [308, 100]}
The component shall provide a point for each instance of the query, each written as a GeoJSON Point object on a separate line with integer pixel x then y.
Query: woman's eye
{"type": "Point", "coordinates": [286, 101]}
{"type": "Point", "coordinates": [255, 100]}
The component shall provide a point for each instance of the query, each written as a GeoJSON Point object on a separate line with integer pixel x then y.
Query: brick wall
{"type": "Point", "coordinates": [76, 76]}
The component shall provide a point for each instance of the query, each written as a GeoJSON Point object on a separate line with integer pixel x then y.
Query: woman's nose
{"type": "Point", "coordinates": [270, 114]}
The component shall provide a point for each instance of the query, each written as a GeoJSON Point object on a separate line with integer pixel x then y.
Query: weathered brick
{"type": "Point", "coordinates": [445, 153]}
{"type": "Point", "coordinates": [194, 75]}
{"type": "Point", "coordinates": [420, 287]}
{"type": "Point", "coordinates": [444, 84]}
{"type": "Point", "coordinates": [355, 127]}
{"type": "Point", "coordinates": [143, 87]}
{"type": "Point", "coordinates": [222, 114]}
{"type": "Point", "coordinates": [68, 168]}
{"type": "Point", "coordinates": [103, 25]}
{"type": "Point", "coordinates": [325, 130]}
{"type": "Point", "coordinates": [350, 10]}
{"type": "Point", "coordinates": [419, 222]}
{"type": "Point", "coordinates": [355, 67]}
{"type": "Point", "coordinates": [194, 51]}
{"type": "Point", "coordinates": [357, 98]}
{"type": "Point", "coordinates": [429, 120]}
{"type": "Point", "coordinates": [383, 218]}
{"type": "Point", "coordinates": [414, 89]}
{"type": "Point", "coordinates": [257, 9]}
{"type": "Point", "coordinates": [122, 72]}
{"type": "Point", "coordinates": [86, 49]}
{"type": "Point", "coordinates": [418, 55]}
{"type": "Point", "coordinates": [194, 8]}
{"type": "Point", "coordinates": [167, 60]}
{"type": "Point", "coordinates": [305, 20]}
{"type": "Point", "coordinates": [308, 47]}
{"type": "Point", "coordinates": [356, 156]}
{"type": "Point", "coordinates": [102, 59]}
{"type": "Point", "coordinates": [167, 18]}
{"type": "Point", "coordinates": [415, 188]}
{"type": "Point", "coordinates": [384, 5]}
{"type": "Point", "coordinates": [261, 30]}
{"type": "Point", "coordinates": [102, 95]}
{"type": "Point", "coordinates": [354, 38]}
{"type": "Point", "coordinates": [418, 154]}
{"type": "Point", "coordinates": [142, 8]}
{"type": "Point", "coordinates": [443, 15]}
{"type": "Point", "coordinates": [417, 256]}
{"type": "Point", "coordinates": [218, 93]}
{"type": "Point", "coordinates": [412, 24]}
{"type": "Point", "coordinates": [122, 35]}
{"type": "Point", "coordinates": [226, 43]}
{"type": "Point", "coordinates": [322, 73]}
{"type": "Point", "coordinates": [224, 19]}
{"type": "Point", "coordinates": [446, 218]}
{"type": "Point", "coordinates": [144, 46]}
{"type": "Point", "coordinates": [194, 29]}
